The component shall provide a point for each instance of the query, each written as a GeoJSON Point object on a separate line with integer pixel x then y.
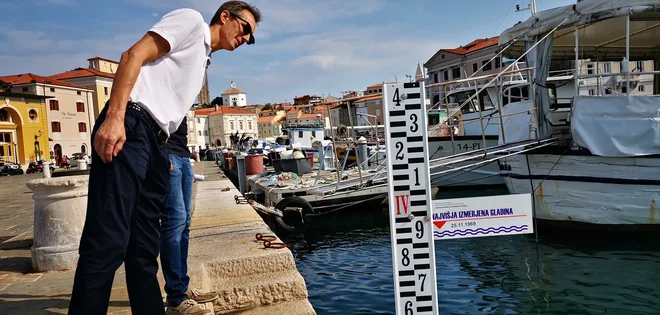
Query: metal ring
{"type": "Point", "coordinates": [261, 237]}
{"type": "Point", "coordinates": [277, 245]}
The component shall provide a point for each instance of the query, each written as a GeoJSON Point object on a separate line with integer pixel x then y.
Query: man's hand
{"type": "Point", "coordinates": [171, 167]}
{"type": "Point", "coordinates": [110, 138]}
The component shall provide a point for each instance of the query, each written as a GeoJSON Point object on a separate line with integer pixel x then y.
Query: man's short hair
{"type": "Point", "coordinates": [237, 7]}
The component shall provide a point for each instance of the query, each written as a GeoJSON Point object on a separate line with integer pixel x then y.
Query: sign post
{"type": "Point", "coordinates": [413, 255]}
{"type": "Point", "coordinates": [415, 220]}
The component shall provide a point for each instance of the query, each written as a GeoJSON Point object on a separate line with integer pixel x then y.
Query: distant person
{"type": "Point", "coordinates": [156, 81]}
{"type": "Point", "coordinates": [175, 230]}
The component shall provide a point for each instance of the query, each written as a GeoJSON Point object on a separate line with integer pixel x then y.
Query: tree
{"type": "Point", "coordinates": [268, 106]}
{"type": "Point", "coordinates": [217, 101]}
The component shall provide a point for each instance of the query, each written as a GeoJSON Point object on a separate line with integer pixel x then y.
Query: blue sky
{"type": "Point", "coordinates": [303, 46]}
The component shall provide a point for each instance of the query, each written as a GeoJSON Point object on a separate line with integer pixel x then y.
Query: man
{"type": "Point", "coordinates": [175, 228]}
{"type": "Point", "coordinates": [157, 80]}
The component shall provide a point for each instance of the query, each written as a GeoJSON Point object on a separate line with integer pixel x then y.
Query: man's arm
{"type": "Point", "coordinates": [147, 49]}
{"type": "Point", "coordinates": [110, 137]}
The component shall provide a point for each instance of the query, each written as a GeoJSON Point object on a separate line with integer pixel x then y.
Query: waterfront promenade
{"type": "Point", "coordinates": [224, 257]}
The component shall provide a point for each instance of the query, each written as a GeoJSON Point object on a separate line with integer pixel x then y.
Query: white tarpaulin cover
{"type": "Point", "coordinates": [516, 122]}
{"type": "Point", "coordinates": [546, 20]}
{"type": "Point", "coordinates": [617, 126]}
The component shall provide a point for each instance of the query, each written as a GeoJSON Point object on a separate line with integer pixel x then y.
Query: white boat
{"type": "Point", "coordinates": [477, 116]}
{"type": "Point", "coordinates": [605, 171]}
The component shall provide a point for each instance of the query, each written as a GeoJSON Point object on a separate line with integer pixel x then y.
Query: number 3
{"type": "Point", "coordinates": [414, 126]}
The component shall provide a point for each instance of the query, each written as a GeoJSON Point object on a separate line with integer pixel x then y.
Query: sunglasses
{"type": "Point", "coordinates": [247, 28]}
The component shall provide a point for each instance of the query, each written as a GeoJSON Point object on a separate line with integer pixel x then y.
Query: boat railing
{"type": "Point", "coordinates": [498, 80]}
{"type": "Point", "coordinates": [303, 125]}
{"type": "Point", "coordinates": [622, 79]}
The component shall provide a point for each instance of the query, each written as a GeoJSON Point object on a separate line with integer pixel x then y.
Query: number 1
{"type": "Point", "coordinates": [416, 176]}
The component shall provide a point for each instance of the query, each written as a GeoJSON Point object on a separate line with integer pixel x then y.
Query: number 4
{"type": "Point", "coordinates": [396, 97]}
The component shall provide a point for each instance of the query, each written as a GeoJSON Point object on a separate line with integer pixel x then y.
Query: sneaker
{"type": "Point", "coordinates": [188, 307]}
{"type": "Point", "coordinates": [201, 297]}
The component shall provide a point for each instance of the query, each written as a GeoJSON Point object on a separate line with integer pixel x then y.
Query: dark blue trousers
{"type": "Point", "coordinates": [122, 224]}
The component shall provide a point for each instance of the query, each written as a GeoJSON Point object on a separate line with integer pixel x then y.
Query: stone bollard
{"type": "Point", "coordinates": [60, 205]}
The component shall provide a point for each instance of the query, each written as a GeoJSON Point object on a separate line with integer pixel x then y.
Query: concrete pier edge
{"type": "Point", "coordinates": [225, 256]}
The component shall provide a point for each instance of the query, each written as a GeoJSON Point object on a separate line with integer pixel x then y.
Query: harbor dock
{"type": "Point", "coordinates": [224, 256]}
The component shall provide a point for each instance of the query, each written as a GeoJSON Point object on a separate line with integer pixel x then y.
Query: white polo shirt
{"type": "Point", "coordinates": [167, 87]}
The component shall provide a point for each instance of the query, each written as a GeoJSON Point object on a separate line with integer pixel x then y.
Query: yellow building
{"type": "Point", "coordinates": [23, 127]}
{"type": "Point", "coordinates": [98, 76]}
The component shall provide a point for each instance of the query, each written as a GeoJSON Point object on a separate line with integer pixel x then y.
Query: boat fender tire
{"type": "Point", "coordinates": [294, 202]}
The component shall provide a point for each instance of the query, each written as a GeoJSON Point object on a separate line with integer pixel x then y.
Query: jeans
{"type": "Point", "coordinates": [124, 205]}
{"type": "Point", "coordinates": [175, 230]}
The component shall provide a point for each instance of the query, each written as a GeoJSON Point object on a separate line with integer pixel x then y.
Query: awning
{"type": "Point", "coordinates": [602, 30]}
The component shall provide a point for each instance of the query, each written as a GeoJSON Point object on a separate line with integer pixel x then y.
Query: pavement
{"type": "Point", "coordinates": [216, 227]}
{"type": "Point", "coordinates": [24, 292]}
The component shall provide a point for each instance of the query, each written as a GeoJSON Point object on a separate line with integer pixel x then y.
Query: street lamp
{"type": "Point", "coordinates": [15, 152]}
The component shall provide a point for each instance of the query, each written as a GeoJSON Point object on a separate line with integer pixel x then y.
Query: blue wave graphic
{"type": "Point", "coordinates": [482, 231]}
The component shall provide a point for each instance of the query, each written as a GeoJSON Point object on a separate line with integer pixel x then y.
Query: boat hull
{"type": "Point", "coordinates": [486, 175]}
{"type": "Point", "coordinates": [587, 190]}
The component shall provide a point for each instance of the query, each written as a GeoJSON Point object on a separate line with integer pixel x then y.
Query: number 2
{"type": "Point", "coordinates": [399, 155]}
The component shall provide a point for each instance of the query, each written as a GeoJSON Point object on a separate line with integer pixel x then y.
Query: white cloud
{"type": "Point", "coordinates": [154, 14]}
{"type": "Point", "coordinates": [46, 53]}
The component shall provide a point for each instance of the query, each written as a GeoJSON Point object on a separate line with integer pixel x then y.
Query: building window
{"type": "Point", "coordinates": [607, 68]}
{"type": "Point", "coordinates": [446, 75]}
{"type": "Point", "coordinates": [54, 105]}
{"type": "Point", "coordinates": [640, 66]}
{"type": "Point", "coordinates": [590, 68]}
{"type": "Point", "coordinates": [80, 107]}
{"type": "Point", "coordinates": [199, 133]}
{"type": "Point", "coordinates": [55, 126]}
{"type": "Point", "coordinates": [198, 120]}
{"type": "Point", "coordinates": [300, 134]}
{"type": "Point", "coordinates": [231, 125]}
{"type": "Point", "coordinates": [206, 133]}
{"type": "Point", "coordinates": [82, 127]}
{"type": "Point", "coordinates": [79, 93]}
{"type": "Point", "coordinates": [497, 63]}
{"type": "Point", "coordinates": [105, 90]}
{"type": "Point", "coordinates": [456, 73]}
{"type": "Point", "coordinates": [52, 89]}
{"type": "Point", "coordinates": [314, 133]}
{"type": "Point", "coordinates": [435, 77]}
{"type": "Point", "coordinates": [32, 114]}
{"type": "Point", "coordinates": [4, 115]}
{"type": "Point", "coordinates": [240, 125]}
{"type": "Point", "coordinates": [25, 89]}
{"type": "Point", "coordinates": [488, 65]}
{"type": "Point", "coordinates": [640, 88]}
{"type": "Point", "coordinates": [475, 67]}
{"type": "Point", "coordinates": [624, 90]}
{"type": "Point", "coordinates": [592, 92]}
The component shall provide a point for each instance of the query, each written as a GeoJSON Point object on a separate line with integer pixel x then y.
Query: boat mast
{"type": "Point", "coordinates": [531, 7]}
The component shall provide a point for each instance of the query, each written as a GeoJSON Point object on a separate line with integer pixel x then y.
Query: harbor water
{"type": "Point", "coordinates": [346, 261]}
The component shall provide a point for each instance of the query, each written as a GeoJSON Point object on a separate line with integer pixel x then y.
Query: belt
{"type": "Point", "coordinates": [161, 136]}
